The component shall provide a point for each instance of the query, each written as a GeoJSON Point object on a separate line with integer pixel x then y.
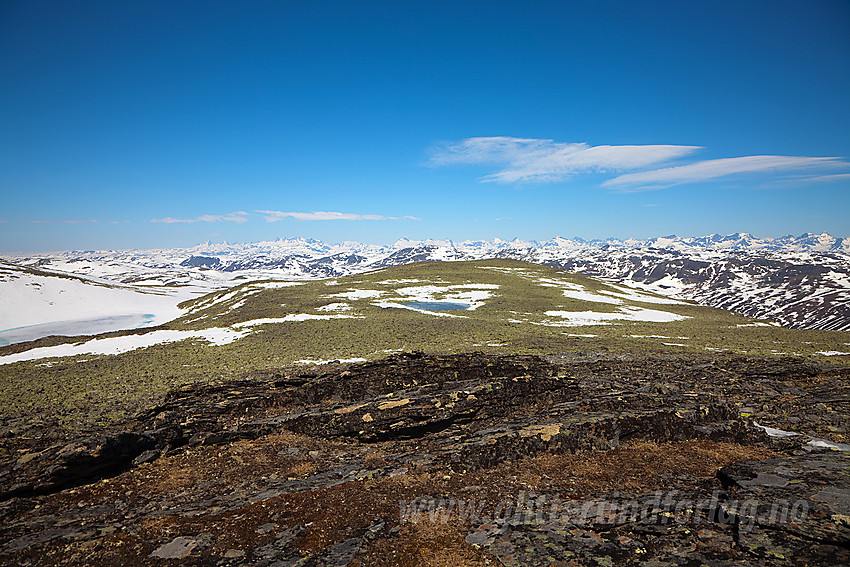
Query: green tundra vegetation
{"type": "Point", "coordinates": [349, 317]}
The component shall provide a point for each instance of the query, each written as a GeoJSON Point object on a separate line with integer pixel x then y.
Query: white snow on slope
{"type": "Point", "coordinates": [359, 294]}
{"type": "Point", "coordinates": [613, 297]}
{"type": "Point", "coordinates": [473, 298]}
{"type": "Point", "coordinates": [334, 307]}
{"type": "Point", "coordinates": [293, 317]}
{"type": "Point", "coordinates": [74, 328]}
{"type": "Point", "coordinates": [77, 306]}
{"type": "Point", "coordinates": [237, 295]}
{"type": "Point", "coordinates": [118, 345]}
{"type": "Point", "coordinates": [394, 305]}
{"type": "Point", "coordinates": [590, 296]}
{"type": "Point", "coordinates": [401, 281]}
{"type": "Point", "coordinates": [580, 318]}
{"type": "Point", "coordinates": [632, 295]}
{"type": "Point", "coordinates": [276, 285]}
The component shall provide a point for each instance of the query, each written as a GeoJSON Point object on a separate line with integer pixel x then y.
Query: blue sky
{"type": "Point", "coordinates": [141, 124]}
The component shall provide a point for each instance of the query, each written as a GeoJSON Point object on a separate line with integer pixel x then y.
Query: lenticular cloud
{"type": "Point", "coordinates": [637, 168]}
{"type": "Point", "coordinates": [532, 160]}
{"type": "Point", "coordinates": [712, 169]}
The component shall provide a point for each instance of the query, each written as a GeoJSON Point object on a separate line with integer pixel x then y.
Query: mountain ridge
{"type": "Point", "coordinates": [799, 281]}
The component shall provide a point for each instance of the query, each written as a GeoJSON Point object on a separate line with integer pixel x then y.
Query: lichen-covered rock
{"type": "Point", "coordinates": [518, 460]}
{"type": "Point", "coordinates": [804, 498]}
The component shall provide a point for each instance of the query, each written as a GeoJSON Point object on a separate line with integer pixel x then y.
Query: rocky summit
{"type": "Point", "coordinates": [581, 458]}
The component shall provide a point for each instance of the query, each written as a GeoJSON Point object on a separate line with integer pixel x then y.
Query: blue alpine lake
{"type": "Point", "coordinates": [438, 305]}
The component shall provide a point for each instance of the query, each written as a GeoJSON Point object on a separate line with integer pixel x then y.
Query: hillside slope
{"type": "Point", "coordinates": [799, 282]}
{"type": "Point", "coordinates": [498, 306]}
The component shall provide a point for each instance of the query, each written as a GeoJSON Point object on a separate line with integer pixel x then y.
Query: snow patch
{"type": "Point", "coordinates": [401, 281]}
{"type": "Point", "coordinates": [343, 360]}
{"type": "Point", "coordinates": [590, 296]}
{"type": "Point", "coordinates": [29, 299]}
{"type": "Point", "coordinates": [813, 441]}
{"type": "Point", "coordinates": [117, 345]}
{"type": "Point", "coordinates": [392, 304]}
{"type": "Point", "coordinates": [551, 282]}
{"type": "Point", "coordinates": [359, 294]}
{"type": "Point", "coordinates": [578, 318]}
{"type": "Point", "coordinates": [773, 432]}
{"type": "Point", "coordinates": [475, 286]}
{"type": "Point", "coordinates": [829, 445]}
{"type": "Point", "coordinates": [474, 298]}
{"type": "Point", "coordinates": [276, 285]}
{"type": "Point", "coordinates": [293, 317]}
{"type": "Point", "coordinates": [238, 296]}
{"type": "Point", "coordinates": [632, 295]}
{"type": "Point", "coordinates": [334, 307]}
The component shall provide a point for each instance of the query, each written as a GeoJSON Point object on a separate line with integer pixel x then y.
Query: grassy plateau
{"type": "Point", "coordinates": [513, 308]}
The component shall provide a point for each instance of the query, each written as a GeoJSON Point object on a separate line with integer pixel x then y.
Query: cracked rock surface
{"type": "Point", "coordinates": [465, 459]}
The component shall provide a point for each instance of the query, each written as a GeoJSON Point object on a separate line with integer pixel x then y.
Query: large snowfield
{"type": "Point", "coordinates": [33, 305]}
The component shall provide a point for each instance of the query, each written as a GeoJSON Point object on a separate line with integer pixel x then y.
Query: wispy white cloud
{"type": "Point", "coordinates": [274, 216]}
{"type": "Point", "coordinates": [237, 216]}
{"type": "Point", "coordinates": [637, 168]}
{"type": "Point", "coordinates": [796, 181]}
{"type": "Point", "coordinates": [828, 178]}
{"type": "Point", "coordinates": [63, 221]}
{"type": "Point", "coordinates": [529, 160]}
{"type": "Point", "coordinates": [715, 168]}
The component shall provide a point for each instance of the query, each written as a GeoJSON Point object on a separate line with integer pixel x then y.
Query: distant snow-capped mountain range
{"type": "Point", "coordinates": [799, 281]}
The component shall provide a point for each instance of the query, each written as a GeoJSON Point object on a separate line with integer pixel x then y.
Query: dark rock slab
{"type": "Point", "coordinates": [287, 451]}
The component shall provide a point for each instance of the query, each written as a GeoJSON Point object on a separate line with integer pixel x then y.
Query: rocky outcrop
{"type": "Point", "coordinates": [517, 459]}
